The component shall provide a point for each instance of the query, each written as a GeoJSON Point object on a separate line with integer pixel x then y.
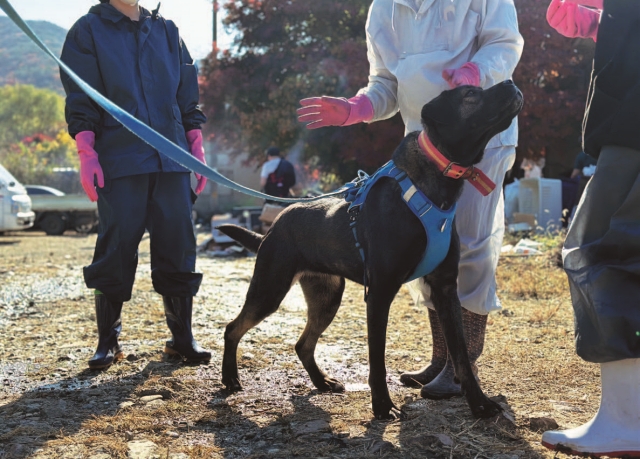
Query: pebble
{"type": "Point", "coordinates": [124, 405]}
{"type": "Point", "coordinates": [143, 449]}
{"type": "Point", "coordinates": [156, 403]}
{"type": "Point", "coordinates": [150, 398]}
{"type": "Point", "coordinates": [172, 434]}
{"type": "Point", "coordinates": [109, 430]}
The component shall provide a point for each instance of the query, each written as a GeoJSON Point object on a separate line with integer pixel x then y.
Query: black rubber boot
{"type": "Point", "coordinates": [178, 311]}
{"type": "Point", "coordinates": [446, 385]}
{"type": "Point", "coordinates": [109, 327]}
{"type": "Point", "coordinates": [438, 357]}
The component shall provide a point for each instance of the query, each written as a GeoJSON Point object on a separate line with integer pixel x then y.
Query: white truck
{"type": "Point", "coordinates": [57, 212]}
{"type": "Point", "coordinates": [15, 204]}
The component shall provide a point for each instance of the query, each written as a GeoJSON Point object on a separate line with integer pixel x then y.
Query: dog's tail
{"type": "Point", "coordinates": [250, 240]}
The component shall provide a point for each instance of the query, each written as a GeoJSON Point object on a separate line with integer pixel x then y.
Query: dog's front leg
{"type": "Point", "coordinates": [444, 295]}
{"type": "Point", "coordinates": [378, 304]}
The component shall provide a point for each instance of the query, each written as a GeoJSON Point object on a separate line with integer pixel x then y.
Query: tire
{"type": "Point", "coordinates": [53, 224]}
{"type": "Point", "coordinates": [84, 228]}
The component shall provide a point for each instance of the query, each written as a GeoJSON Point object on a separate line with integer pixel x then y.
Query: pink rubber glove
{"type": "Point", "coordinates": [572, 20]}
{"type": "Point", "coordinates": [194, 138]}
{"type": "Point", "coordinates": [468, 74]}
{"type": "Point", "coordinates": [89, 164]}
{"type": "Point", "coordinates": [334, 111]}
{"type": "Point", "coordinates": [597, 4]}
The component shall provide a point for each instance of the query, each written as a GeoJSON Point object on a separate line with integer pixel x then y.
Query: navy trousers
{"type": "Point", "coordinates": [161, 203]}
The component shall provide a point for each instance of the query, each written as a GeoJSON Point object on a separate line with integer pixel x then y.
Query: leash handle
{"type": "Point", "coordinates": [144, 132]}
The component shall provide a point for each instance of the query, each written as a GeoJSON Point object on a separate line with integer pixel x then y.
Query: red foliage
{"type": "Point", "coordinates": [37, 138]}
{"type": "Point", "coordinates": [553, 75]}
{"type": "Point", "coordinates": [288, 50]}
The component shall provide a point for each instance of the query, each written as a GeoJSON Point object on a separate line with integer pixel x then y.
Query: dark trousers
{"type": "Point", "coordinates": [602, 259]}
{"type": "Point", "coordinates": [160, 203]}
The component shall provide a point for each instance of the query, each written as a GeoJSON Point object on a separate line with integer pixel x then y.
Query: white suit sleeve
{"type": "Point", "coordinates": [383, 86]}
{"type": "Point", "coordinates": [499, 43]}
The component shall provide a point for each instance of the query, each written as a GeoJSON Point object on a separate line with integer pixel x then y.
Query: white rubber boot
{"type": "Point", "coordinates": [615, 429]}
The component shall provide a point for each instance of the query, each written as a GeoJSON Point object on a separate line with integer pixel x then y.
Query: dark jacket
{"type": "Point", "coordinates": [613, 108]}
{"type": "Point", "coordinates": [145, 68]}
{"type": "Point", "coordinates": [280, 181]}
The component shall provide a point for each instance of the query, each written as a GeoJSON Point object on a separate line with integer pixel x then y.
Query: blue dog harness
{"type": "Point", "coordinates": [437, 223]}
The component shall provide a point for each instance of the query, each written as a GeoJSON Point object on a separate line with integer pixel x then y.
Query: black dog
{"type": "Point", "coordinates": [313, 243]}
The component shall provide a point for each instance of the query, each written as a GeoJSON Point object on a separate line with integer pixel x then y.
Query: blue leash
{"type": "Point", "coordinates": [150, 136]}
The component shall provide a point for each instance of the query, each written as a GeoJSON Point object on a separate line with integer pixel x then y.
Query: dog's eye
{"type": "Point", "coordinates": [470, 93]}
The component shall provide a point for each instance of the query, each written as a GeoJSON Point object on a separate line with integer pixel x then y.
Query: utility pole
{"type": "Point", "coordinates": [215, 25]}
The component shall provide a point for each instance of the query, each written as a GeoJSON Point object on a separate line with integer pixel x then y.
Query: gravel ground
{"type": "Point", "coordinates": [147, 406]}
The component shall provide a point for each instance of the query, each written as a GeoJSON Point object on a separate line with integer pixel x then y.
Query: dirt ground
{"type": "Point", "coordinates": [52, 406]}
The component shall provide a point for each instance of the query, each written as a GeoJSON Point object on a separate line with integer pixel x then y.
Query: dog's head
{"type": "Point", "coordinates": [460, 122]}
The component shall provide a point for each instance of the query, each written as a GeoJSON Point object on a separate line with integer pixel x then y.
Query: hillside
{"type": "Point", "coordinates": [23, 62]}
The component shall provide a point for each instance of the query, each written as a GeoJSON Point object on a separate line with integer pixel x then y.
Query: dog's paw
{"type": "Point", "coordinates": [330, 385]}
{"type": "Point", "coordinates": [232, 384]}
{"type": "Point", "coordinates": [486, 409]}
{"type": "Point", "coordinates": [386, 411]}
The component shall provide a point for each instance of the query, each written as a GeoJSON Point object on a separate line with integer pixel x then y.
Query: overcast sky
{"type": "Point", "coordinates": [193, 17]}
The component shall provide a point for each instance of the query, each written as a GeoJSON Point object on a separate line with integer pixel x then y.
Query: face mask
{"type": "Point", "coordinates": [130, 2]}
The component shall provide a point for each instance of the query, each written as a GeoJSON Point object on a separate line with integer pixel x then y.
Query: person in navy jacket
{"type": "Point", "coordinates": [137, 59]}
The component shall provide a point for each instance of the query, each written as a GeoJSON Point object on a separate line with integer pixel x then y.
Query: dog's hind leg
{"type": "Point", "coordinates": [323, 293]}
{"type": "Point", "coordinates": [444, 295]}
{"type": "Point", "coordinates": [269, 285]}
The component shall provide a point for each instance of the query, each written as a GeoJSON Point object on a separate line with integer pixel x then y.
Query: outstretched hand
{"type": "Point", "coordinates": [323, 111]}
{"type": "Point", "coordinates": [335, 111]}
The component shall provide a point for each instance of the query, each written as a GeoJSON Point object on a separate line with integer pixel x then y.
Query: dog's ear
{"type": "Point", "coordinates": [440, 110]}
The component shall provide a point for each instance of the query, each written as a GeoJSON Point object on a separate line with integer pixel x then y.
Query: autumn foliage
{"type": "Point", "coordinates": [553, 75]}
{"type": "Point", "coordinates": [289, 50]}
{"type": "Point", "coordinates": [286, 51]}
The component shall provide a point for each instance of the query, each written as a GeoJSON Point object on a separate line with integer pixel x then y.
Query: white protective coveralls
{"type": "Point", "coordinates": [409, 44]}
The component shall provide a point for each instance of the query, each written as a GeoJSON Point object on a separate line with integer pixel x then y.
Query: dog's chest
{"type": "Point", "coordinates": [437, 223]}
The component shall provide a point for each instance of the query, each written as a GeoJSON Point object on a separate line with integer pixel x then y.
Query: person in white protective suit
{"type": "Point", "coordinates": [416, 50]}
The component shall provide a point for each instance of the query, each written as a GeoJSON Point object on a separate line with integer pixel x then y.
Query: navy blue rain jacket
{"type": "Point", "coordinates": [144, 68]}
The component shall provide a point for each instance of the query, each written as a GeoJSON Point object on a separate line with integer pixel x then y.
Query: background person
{"type": "Point", "coordinates": [136, 59]}
{"type": "Point", "coordinates": [277, 176]}
{"type": "Point", "coordinates": [602, 251]}
{"type": "Point", "coordinates": [416, 50]}
{"type": "Point", "coordinates": [584, 165]}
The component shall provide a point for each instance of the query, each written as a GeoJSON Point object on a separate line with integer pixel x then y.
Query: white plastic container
{"type": "Point", "coordinates": [543, 198]}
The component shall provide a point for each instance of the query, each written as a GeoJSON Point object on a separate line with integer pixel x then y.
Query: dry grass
{"type": "Point", "coordinates": [529, 359]}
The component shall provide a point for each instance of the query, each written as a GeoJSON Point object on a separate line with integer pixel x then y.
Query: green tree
{"type": "Point", "coordinates": [26, 110]}
{"type": "Point", "coordinates": [33, 138]}
{"type": "Point", "coordinates": [33, 159]}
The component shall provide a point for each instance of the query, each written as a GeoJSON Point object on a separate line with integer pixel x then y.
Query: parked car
{"type": "Point", "coordinates": [15, 204]}
{"type": "Point", "coordinates": [57, 212]}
